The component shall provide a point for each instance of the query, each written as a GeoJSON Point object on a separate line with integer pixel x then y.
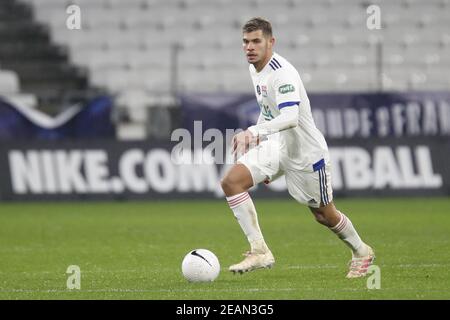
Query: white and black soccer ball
{"type": "Point", "coordinates": [200, 265]}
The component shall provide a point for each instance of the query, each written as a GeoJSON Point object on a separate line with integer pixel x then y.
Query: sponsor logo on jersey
{"type": "Point", "coordinates": [286, 88]}
{"type": "Point", "coordinates": [258, 89]}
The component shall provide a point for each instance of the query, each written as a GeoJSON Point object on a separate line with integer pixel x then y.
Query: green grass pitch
{"type": "Point", "coordinates": [133, 250]}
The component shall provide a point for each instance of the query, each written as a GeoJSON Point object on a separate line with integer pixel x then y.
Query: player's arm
{"type": "Point", "coordinates": [287, 119]}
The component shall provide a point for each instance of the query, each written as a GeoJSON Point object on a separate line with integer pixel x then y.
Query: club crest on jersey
{"type": "Point", "coordinates": [258, 89]}
{"type": "Point", "coordinates": [264, 91]}
{"type": "Point", "coordinates": [286, 88]}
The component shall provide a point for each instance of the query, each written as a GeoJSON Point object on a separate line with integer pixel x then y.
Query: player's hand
{"type": "Point", "coordinates": [243, 141]}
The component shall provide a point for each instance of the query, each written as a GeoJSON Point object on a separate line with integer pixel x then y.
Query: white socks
{"type": "Point", "coordinates": [245, 213]}
{"type": "Point", "coordinates": [347, 233]}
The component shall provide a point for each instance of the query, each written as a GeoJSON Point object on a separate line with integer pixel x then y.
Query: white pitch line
{"type": "Point", "coordinates": [419, 265]}
{"type": "Point", "coordinates": [313, 267]}
{"type": "Point", "coordinates": [218, 290]}
{"type": "Point", "coordinates": [304, 266]}
{"type": "Point", "coordinates": [143, 290]}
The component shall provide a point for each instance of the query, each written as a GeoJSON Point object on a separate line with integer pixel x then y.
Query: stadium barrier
{"type": "Point", "coordinates": [92, 120]}
{"type": "Point", "coordinates": [380, 145]}
{"type": "Point", "coordinates": [341, 116]}
{"type": "Point", "coordinates": [126, 170]}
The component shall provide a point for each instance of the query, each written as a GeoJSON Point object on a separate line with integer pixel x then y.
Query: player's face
{"type": "Point", "coordinates": [257, 47]}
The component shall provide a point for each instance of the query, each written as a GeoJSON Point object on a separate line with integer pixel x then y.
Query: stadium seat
{"type": "Point", "coordinates": [397, 79]}
{"type": "Point", "coordinates": [238, 82]}
{"type": "Point", "coordinates": [9, 82]}
{"type": "Point", "coordinates": [96, 60]}
{"type": "Point", "coordinates": [433, 81]}
{"type": "Point", "coordinates": [194, 80]}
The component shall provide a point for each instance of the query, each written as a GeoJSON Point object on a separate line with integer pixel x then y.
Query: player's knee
{"type": "Point", "coordinates": [237, 180]}
{"type": "Point", "coordinates": [227, 185]}
{"type": "Point", "coordinates": [232, 185]}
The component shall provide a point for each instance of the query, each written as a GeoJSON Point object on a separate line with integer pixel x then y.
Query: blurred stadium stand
{"type": "Point", "coordinates": [38, 70]}
{"type": "Point", "coordinates": [147, 51]}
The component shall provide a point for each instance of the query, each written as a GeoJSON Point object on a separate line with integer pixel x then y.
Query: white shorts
{"type": "Point", "coordinates": [268, 161]}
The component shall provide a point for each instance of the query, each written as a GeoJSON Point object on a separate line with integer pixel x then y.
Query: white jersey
{"type": "Point", "coordinates": [278, 85]}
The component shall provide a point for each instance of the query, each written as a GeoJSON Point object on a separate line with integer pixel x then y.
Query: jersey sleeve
{"type": "Point", "coordinates": [260, 119]}
{"type": "Point", "coordinates": [288, 118]}
{"type": "Point", "coordinates": [287, 91]}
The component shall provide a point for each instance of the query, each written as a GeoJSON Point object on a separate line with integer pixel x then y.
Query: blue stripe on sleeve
{"type": "Point", "coordinates": [288, 104]}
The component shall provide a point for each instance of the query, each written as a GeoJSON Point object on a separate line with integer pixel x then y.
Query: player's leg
{"type": "Point", "coordinates": [362, 254]}
{"type": "Point", "coordinates": [340, 224]}
{"type": "Point", "coordinates": [327, 214]}
{"type": "Point", "coordinates": [235, 185]}
{"type": "Point", "coordinates": [251, 169]}
{"type": "Point", "coordinates": [314, 189]}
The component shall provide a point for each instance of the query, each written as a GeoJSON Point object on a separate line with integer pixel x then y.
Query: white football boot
{"type": "Point", "coordinates": [360, 266]}
{"type": "Point", "coordinates": [253, 261]}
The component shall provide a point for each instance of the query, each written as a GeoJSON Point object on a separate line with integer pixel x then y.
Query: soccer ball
{"type": "Point", "coordinates": [200, 265]}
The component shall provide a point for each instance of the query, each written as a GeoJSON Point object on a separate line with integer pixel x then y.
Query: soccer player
{"type": "Point", "coordinates": [285, 141]}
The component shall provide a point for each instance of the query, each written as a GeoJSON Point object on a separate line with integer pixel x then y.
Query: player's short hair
{"type": "Point", "coordinates": [258, 23]}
